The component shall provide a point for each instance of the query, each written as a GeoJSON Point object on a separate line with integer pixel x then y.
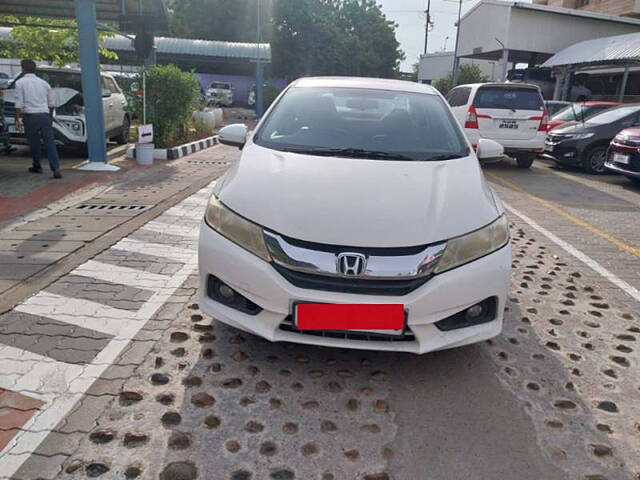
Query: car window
{"type": "Point", "coordinates": [569, 113]}
{"type": "Point", "coordinates": [508, 98]}
{"type": "Point", "coordinates": [459, 96]}
{"type": "Point", "coordinates": [614, 114]}
{"type": "Point", "coordinates": [110, 85]}
{"type": "Point", "coordinates": [415, 125]}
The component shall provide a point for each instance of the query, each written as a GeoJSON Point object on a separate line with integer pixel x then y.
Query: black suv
{"type": "Point", "coordinates": [585, 143]}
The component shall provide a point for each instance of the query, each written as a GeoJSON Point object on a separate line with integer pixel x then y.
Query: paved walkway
{"type": "Point", "coordinates": [34, 252]}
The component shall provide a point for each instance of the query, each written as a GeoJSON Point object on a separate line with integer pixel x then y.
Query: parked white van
{"type": "Point", "coordinates": [511, 114]}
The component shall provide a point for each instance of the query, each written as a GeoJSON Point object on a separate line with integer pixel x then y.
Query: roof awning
{"type": "Point", "coordinates": [616, 50]}
{"type": "Point", "coordinates": [123, 12]}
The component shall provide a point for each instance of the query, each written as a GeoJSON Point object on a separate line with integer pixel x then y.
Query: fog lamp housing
{"type": "Point", "coordinates": [222, 293]}
{"type": "Point", "coordinates": [479, 313]}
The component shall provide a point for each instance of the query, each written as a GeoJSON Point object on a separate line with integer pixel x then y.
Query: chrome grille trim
{"type": "Point", "coordinates": [379, 266]}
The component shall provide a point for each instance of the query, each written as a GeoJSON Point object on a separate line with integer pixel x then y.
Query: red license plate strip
{"type": "Point", "coordinates": [326, 316]}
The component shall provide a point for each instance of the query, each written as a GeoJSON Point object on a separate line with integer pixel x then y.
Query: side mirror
{"type": "Point", "coordinates": [234, 135]}
{"type": "Point", "coordinates": [489, 149]}
{"type": "Point", "coordinates": [106, 93]}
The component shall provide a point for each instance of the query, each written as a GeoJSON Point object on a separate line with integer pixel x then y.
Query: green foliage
{"type": "Point", "coordinates": [171, 99]}
{"type": "Point", "coordinates": [270, 94]}
{"type": "Point", "coordinates": [469, 73]}
{"type": "Point", "coordinates": [308, 37]}
{"type": "Point", "coordinates": [59, 46]}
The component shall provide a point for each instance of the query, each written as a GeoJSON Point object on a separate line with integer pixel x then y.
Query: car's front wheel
{"type": "Point", "coordinates": [123, 137]}
{"type": "Point", "coordinates": [594, 159]}
{"type": "Point", "coordinates": [525, 160]}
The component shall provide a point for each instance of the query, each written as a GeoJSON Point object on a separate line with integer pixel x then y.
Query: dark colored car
{"type": "Point", "coordinates": [585, 144]}
{"type": "Point", "coordinates": [624, 154]}
{"type": "Point", "coordinates": [578, 112]}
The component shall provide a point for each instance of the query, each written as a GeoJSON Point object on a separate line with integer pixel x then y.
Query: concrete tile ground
{"type": "Point", "coordinates": [181, 396]}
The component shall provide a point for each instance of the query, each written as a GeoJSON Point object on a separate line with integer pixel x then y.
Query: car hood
{"type": "Point", "coordinates": [357, 202]}
{"type": "Point", "coordinates": [633, 132]}
{"type": "Point", "coordinates": [574, 127]}
{"type": "Point", "coordinates": [57, 97]}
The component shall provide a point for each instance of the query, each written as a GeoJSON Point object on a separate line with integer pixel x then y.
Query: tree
{"type": "Point", "coordinates": [47, 43]}
{"type": "Point", "coordinates": [469, 73]}
{"type": "Point", "coordinates": [308, 37]}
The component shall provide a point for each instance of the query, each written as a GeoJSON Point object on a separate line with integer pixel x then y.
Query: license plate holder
{"type": "Point", "coordinates": [509, 124]}
{"type": "Point", "coordinates": [621, 158]}
{"type": "Point", "coordinates": [388, 319]}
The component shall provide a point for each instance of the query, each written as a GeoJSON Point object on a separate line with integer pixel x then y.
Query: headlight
{"type": "Point", "coordinates": [474, 245]}
{"type": "Point", "coordinates": [240, 231]}
{"type": "Point", "coordinates": [580, 136]}
{"type": "Point", "coordinates": [75, 127]}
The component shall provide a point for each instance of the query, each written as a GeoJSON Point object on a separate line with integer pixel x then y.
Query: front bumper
{"type": "Point", "coordinates": [567, 152]}
{"type": "Point", "coordinates": [630, 169]}
{"type": "Point", "coordinates": [439, 298]}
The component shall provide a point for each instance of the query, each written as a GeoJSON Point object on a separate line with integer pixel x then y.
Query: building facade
{"type": "Point", "coordinates": [435, 66]}
{"type": "Point", "coordinates": [625, 8]}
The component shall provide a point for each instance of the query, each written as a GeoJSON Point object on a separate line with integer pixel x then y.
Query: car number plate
{"type": "Point", "coordinates": [389, 318]}
{"type": "Point", "coordinates": [510, 124]}
{"type": "Point", "coordinates": [620, 158]}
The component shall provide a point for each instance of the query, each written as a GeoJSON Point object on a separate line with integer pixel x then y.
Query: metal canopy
{"type": "Point", "coordinates": [616, 50]}
{"type": "Point", "coordinates": [127, 13]}
{"type": "Point", "coordinates": [198, 48]}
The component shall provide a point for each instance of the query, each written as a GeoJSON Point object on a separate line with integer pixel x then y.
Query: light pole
{"type": "Point", "coordinates": [259, 64]}
{"type": "Point", "coordinates": [454, 74]}
{"type": "Point", "coordinates": [426, 30]}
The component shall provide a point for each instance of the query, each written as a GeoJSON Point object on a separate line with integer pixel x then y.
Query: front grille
{"type": "Point", "coordinates": [288, 326]}
{"type": "Point", "coordinates": [362, 286]}
{"type": "Point", "coordinates": [9, 110]}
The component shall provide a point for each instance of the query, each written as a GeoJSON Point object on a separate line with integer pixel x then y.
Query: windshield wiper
{"type": "Point", "coordinates": [444, 156]}
{"type": "Point", "coordinates": [350, 152]}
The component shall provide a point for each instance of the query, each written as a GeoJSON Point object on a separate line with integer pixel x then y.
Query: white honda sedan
{"type": "Point", "coordinates": [357, 217]}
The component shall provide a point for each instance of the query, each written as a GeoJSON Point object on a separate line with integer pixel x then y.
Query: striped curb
{"type": "Point", "coordinates": [179, 151]}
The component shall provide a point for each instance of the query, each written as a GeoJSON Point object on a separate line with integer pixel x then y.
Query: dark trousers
{"type": "Point", "coordinates": [39, 127]}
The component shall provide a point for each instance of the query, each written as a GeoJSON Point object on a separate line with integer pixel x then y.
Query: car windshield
{"type": "Point", "coordinates": [578, 112]}
{"type": "Point", "coordinates": [221, 86]}
{"type": "Point", "coordinates": [62, 79]}
{"type": "Point", "coordinates": [508, 98]}
{"type": "Point", "coordinates": [613, 114]}
{"type": "Point", "coordinates": [367, 123]}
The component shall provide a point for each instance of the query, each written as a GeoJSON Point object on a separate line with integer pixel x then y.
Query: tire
{"type": "Point", "coordinates": [525, 160]}
{"type": "Point", "coordinates": [594, 158]}
{"type": "Point", "coordinates": [123, 137]}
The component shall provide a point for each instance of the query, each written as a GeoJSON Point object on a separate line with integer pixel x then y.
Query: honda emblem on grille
{"type": "Point", "coordinates": [351, 264]}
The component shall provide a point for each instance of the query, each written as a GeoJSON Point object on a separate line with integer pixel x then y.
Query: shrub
{"type": "Point", "coordinates": [270, 94]}
{"type": "Point", "coordinates": [172, 95]}
{"type": "Point", "coordinates": [469, 73]}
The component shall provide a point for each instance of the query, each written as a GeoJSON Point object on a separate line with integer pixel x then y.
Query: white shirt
{"type": "Point", "coordinates": [33, 95]}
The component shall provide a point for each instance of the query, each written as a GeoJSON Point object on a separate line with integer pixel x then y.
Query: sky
{"type": "Point", "coordinates": [410, 16]}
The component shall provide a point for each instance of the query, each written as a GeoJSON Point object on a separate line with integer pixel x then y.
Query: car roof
{"type": "Point", "coordinates": [500, 84]}
{"type": "Point", "coordinates": [65, 70]}
{"type": "Point", "coordinates": [364, 82]}
{"type": "Point", "coordinates": [596, 102]}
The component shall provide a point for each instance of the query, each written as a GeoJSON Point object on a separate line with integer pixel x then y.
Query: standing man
{"type": "Point", "coordinates": [34, 114]}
